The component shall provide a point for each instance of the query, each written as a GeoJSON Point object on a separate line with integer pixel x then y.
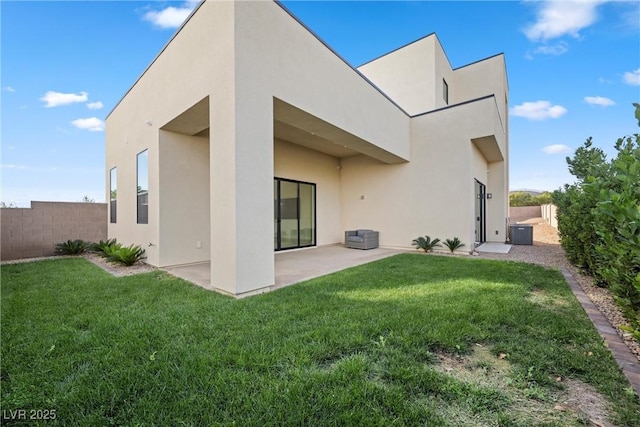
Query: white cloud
{"type": "Point", "coordinates": [538, 110]}
{"type": "Point", "coordinates": [632, 77]}
{"type": "Point", "coordinates": [55, 99]}
{"type": "Point", "coordinates": [92, 124]}
{"type": "Point", "coordinates": [11, 166]}
{"type": "Point", "coordinates": [95, 105]}
{"type": "Point", "coordinates": [557, 149]}
{"type": "Point", "coordinates": [599, 100]}
{"type": "Point", "coordinates": [557, 49]}
{"type": "Point", "coordinates": [170, 17]}
{"type": "Point", "coordinates": [8, 89]}
{"type": "Point", "coordinates": [556, 18]}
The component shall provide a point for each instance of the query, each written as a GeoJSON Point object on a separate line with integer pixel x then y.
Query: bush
{"type": "Point", "coordinates": [126, 255]}
{"type": "Point", "coordinates": [71, 247]}
{"type": "Point", "coordinates": [426, 243]}
{"type": "Point", "coordinates": [523, 198]}
{"type": "Point", "coordinates": [453, 244]}
{"type": "Point", "coordinates": [102, 246]}
{"type": "Point", "coordinates": [599, 219]}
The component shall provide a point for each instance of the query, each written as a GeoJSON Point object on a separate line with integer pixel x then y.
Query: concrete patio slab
{"type": "Point", "coordinates": [297, 266]}
{"type": "Point", "coordinates": [293, 266]}
{"type": "Point", "coordinates": [494, 248]}
{"type": "Point", "coordinates": [199, 273]}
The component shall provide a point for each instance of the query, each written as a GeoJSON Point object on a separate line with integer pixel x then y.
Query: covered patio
{"type": "Point", "coordinates": [293, 266]}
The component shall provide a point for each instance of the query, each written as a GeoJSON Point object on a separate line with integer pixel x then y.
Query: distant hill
{"type": "Point", "coordinates": [527, 190]}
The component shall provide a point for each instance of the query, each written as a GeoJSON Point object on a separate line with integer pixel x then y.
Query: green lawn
{"type": "Point", "coordinates": [408, 340]}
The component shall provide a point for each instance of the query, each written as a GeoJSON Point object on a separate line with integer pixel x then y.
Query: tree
{"type": "Point", "coordinates": [87, 199]}
{"type": "Point", "coordinates": [523, 198]}
{"type": "Point", "coordinates": [520, 198]}
{"type": "Point", "coordinates": [599, 219]}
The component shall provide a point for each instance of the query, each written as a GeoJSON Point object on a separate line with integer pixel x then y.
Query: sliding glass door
{"type": "Point", "coordinates": [294, 214]}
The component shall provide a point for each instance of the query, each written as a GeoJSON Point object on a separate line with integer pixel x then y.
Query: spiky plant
{"type": "Point", "coordinates": [453, 244]}
{"type": "Point", "coordinates": [103, 246]}
{"type": "Point", "coordinates": [426, 243]}
{"type": "Point", "coordinates": [125, 255]}
{"type": "Point", "coordinates": [71, 247]}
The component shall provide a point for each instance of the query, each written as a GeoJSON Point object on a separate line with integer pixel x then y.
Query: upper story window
{"type": "Point", "coordinates": [113, 195]}
{"type": "Point", "coordinates": [143, 187]}
{"type": "Point", "coordinates": [445, 91]}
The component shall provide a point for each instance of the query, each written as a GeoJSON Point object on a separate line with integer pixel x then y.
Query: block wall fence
{"type": "Point", "coordinates": [34, 232]}
{"type": "Point", "coordinates": [549, 214]}
{"type": "Point", "coordinates": [523, 213]}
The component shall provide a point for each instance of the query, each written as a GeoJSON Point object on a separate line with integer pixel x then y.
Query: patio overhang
{"type": "Point", "coordinates": [297, 126]}
{"type": "Point", "coordinates": [193, 121]}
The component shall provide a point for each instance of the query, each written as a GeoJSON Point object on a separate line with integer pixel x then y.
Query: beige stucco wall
{"type": "Point", "coordinates": [407, 75]}
{"type": "Point", "coordinates": [294, 162]}
{"type": "Point", "coordinates": [184, 200]}
{"type": "Point", "coordinates": [163, 92]}
{"type": "Point", "coordinates": [413, 77]}
{"type": "Point", "coordinates": [434, 193]}
{"type": "Point", "coordinates": [243, 55]}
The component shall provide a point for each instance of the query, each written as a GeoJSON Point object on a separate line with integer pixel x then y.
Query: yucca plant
{"type": "Point", "coordinates": [426, 243]}
{"type": "Point", "coordinates": [103, 246]}
{"type": "Point", "coordinates": [453, 244]}
{"type": "Point", "coordinates": [126, 255]}
{"type": "Point", "coordinates": [71, 247]}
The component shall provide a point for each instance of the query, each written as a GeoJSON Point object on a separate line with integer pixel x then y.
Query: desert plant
{"type": "Point", "coordinates": [126, 255]}
{"type": "Point", "coordinates": [453, 244]}
{"type": "Point", "coordinates": [71, 247]}
{"type": "Point", "coordinates": [426, 243]}
{"type": "Point", "coordinates": [103, 246]}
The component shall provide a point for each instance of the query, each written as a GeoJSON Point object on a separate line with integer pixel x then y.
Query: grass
{"type": "Point", "coordinates": [366, 346]}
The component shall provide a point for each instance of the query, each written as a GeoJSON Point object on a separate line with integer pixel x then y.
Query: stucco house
{"type": "Point", "coordinates": [249, 135]}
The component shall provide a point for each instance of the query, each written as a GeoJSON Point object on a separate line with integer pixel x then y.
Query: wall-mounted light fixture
{"type": "Point", "coordinates": [489, 195]}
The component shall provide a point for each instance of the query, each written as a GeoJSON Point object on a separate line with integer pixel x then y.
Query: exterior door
{"type": "Point", "coordinates": [294, 214]}
{"type": "Point", "coordinates": [480, 211]}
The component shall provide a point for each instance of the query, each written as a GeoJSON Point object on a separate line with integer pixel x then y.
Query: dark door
{"type": "Point", "coordinates": [480, 211]}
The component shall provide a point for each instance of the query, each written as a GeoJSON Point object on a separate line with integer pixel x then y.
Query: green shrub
{"type": "Point", "coordinates": [599, 219]}
{"type": "Point", "coordinates": [523, 198]}
{"type": "Point", "coordinates": [71, 247]}
{"type": "Point", "coordinates": [426, 243]}
{"type": "Point", "coordinates": [576, 219]}
{"type": "Point", "coordinates": [453, 244]}
{"type": "Point", "coordinates": [102, 246]}
{"type": "Point", "coordinates": [125, 255]}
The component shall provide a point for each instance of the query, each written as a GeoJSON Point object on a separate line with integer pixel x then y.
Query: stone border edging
{"type": "Point", "coordinates": [626, 360]}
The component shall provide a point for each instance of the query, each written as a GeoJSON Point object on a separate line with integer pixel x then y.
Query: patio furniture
{"type": "Point", "coordinates": [361, 239]}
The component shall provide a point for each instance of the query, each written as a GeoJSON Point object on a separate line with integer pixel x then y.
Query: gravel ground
{"type": "Point", "coordinates": [546, 250]}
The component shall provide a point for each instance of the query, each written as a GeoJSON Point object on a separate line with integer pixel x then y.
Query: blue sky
{"type": "Point", "coordinates": [574, 70]}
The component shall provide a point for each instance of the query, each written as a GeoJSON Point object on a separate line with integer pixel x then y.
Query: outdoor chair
{"type": "Point", "coordinates": [361, 239]}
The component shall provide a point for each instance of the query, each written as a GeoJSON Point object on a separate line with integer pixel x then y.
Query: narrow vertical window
{"type": "Point", "coordinates": [113, 195]}
{"type": "Point", "coordinates": [143, 187]}
{"type": "Point", "coordinates": [445, 91]}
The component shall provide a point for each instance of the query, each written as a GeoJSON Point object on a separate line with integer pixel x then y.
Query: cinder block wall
{"type": "Point", "coordinates": [549, 214]}
{"type": "Point", "coordinates": [34, 232]}
{"type": "Point", "coordinates": [523, 213]}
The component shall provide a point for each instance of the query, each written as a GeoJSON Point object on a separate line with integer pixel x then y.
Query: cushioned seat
{"type": "Point", "coordinates": [361, 239]}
